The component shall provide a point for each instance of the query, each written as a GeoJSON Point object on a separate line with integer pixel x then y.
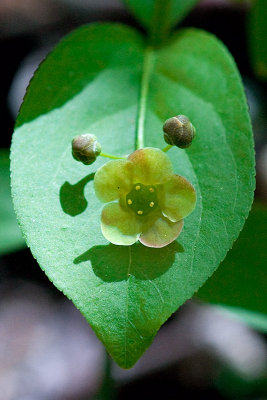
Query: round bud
{"type": "Point", "coordinates": [85, 148]}
{"type": "Point", "coordinates": [178, 131]}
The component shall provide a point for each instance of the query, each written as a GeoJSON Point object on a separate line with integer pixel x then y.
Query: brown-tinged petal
{"type": "Point", "coordinates": [177, 198]}
{"type": "Point", "coordinates": [120, 226]}
{"type": "Point", "coordinates": [161, 233]}
{"type": "Point", "coordinates": [151, 166]}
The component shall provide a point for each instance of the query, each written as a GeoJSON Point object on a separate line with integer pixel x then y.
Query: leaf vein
{"type": "Point", "coordinates": [149, 59]}
{"type": "Point", "coordinates": [155, 286]}
{"type": "Point", "coordinates": [126, 305]}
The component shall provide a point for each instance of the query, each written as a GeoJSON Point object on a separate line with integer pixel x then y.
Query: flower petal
{"type": "Point", "coordinates": [162, 233]}
{"type": "Point", "coordinates": [113, 180]}
{"type": "Point", "coordinates": [119, 226]}
{"type": "Point", "coordinates": [177, 198]}
{"type": "Point", "coordinates": [151, 166]}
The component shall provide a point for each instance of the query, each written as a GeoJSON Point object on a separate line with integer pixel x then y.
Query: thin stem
{"type": "Point", "coordinates": [167, 148]}
{"type": "Point", "coordinates": [147, 67]}
{"type": "Point", "coordinates": [111, 156]}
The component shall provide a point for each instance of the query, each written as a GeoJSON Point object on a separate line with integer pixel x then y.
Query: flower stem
{"type": "Point", "coordinates": [111, 156]}
{"type": "Point", "coordinates": [167, 148]}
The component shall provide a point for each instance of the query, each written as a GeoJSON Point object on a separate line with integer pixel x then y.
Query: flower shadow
{"type": "Point", "coordinates": [72, 198]}
{"type": "Point", "coordinates": [114, 263]}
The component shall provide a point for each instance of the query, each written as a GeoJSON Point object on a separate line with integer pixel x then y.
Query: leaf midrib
{"type": "Point", "coordinates": [148, 65]}
{"type": "Point", "coordinates": [126, 307]}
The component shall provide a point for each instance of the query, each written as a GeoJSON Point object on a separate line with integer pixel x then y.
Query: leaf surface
{"type": "Point", "coordinates": [10, 235]}
{"type": "Point", "coordinates": [103, 79]}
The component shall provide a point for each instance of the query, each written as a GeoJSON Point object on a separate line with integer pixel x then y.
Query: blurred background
{"type": "Point", "coordinates": [205, 351]}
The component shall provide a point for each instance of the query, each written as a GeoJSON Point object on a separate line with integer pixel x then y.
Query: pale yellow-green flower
{"type": "Point", "coordinates": [151, 201]}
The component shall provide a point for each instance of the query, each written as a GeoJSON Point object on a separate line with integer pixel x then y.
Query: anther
{"type": "Point", "coordinates": [138, 187]}
{"type": "Point", "coordinates": [129, 201]}
{"type": "Point", "coordinates": [151, 190]}
{"type": "Point", "coordinates": [139, 212]}
{"type": "Point", "coordinates": [151, 204]}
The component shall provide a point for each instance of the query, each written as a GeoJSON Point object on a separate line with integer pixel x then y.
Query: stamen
{"type": "Point", "coordinates": [142, 199]}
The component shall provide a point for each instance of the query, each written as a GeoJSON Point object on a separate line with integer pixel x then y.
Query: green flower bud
{"type": "Point", "coordinates": [178, 131]}
{"type": "Point", "coordinates": [85, 148]}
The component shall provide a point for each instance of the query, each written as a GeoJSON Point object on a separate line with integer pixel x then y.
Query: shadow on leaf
{"type": "Point", "coordinates": [111, 263]}
{"type": "Point", "coordinates": [72, 198]}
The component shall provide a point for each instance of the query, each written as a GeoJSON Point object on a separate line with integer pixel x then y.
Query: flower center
{"type": "Point", "coordinates": [142, 199]}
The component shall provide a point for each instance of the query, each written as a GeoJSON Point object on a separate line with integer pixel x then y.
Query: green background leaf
{"type": "Point", "coordinates": [257, 35]}
{"type": "Point", "coordinates": [159, 16]}
{"type": "Point", "coordinates": [240, 282]}
{"type": "Point", "coordinates": [103, 79]}
{"type": "Point", "coordinates": [10, 235]}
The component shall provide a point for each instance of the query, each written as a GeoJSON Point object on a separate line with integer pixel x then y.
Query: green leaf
{"type": "Point", "coordinates": [103, 79]}
{"type": "Point", "coordinates": [10, 235]}
{"type": "Point", "coordinates": [158, 16]}
{"type": "Point", "coordinates": [241, 280]}
{"type": "Point", "coordinates": [257, 34]}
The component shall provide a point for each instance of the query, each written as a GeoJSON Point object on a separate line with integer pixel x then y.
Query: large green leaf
{"type": "Point", "coordinates": [240, 282]}
{"type": "Point", "coordinates": [159, 16]}
{"type": "Point", "coordinates": [103, 79]}
{"type": "Point", "coordinates": [257, 34]}
{"type": "Point", "coordinates": [10, 235]}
